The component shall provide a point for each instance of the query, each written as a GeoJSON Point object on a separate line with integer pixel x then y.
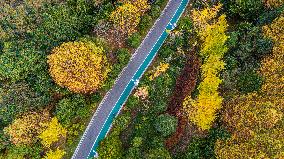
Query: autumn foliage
{"type": "Point", "coordinates": [185, 84]}
{"type": "Point", "coordinates": [80, 66]}
{"type": "Point", "coordinates": [17, 15]}
{"type": "Point", "coordinates": [256, 120]}
{"type": "Point", "coordinates": [211, 31]}
{"type": "Point", "coordinates": [52, 133]}
{"type": "Point", "coordinates": [142, 5]}
{"type": "Point", "coordinates": [272, 67]}
{"type": "Point", "coordinates": [273, 3]}
{"type": "Point", "coordinates": [57, 154]}
{"type": "Point", "coordinates": [25, 130]}
{"type": "Point", "coordinates": [142, 92]}
{"type": "Point", "coordinates": [127, 17]}
{"type": "Point", "coordinates": [163, 67]}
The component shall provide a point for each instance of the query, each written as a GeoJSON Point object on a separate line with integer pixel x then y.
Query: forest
{"type": "Point", "coordinates": [215, 89]}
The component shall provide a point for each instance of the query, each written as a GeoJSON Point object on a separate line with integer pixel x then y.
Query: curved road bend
{"type": "Point", "coordinates": [125, 83]}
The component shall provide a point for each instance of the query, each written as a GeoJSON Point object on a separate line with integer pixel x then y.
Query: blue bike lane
{"type": "Point", "coordinates": [134, 80]}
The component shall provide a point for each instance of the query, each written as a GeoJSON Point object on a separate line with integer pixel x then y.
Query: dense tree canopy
{"type": "Point", "coordinates": [26, 129]}
{"type": "Point", "coordinates": [202, 111]}
{"type": "Point", "coordinates": [273, 3]}
{"type": "Point", "coordinates": [54, 154]}
{"type": "Point", "coordinates": [159, 153]}
{"type": "Point", "coordinates": [246, 9]}
{"type": "Point", "coordinates": [17, 99]}
{"type": "Point", "coordinates": [166, 124]}
{"type": "Point", "coordinates": [111, 147]}
{"type": "Point", "coordinates": [127, 17]}
{"type": "Point", "coordinates": [215, 90]}
{"type": "Point", "coordinates": [79, 66]}
{"type": "Point", "coordinates": [256, 120]}
{"type": "Point", "coordinates": [52, 133]}
{"type": "Point", "coordinates": [30, 33]}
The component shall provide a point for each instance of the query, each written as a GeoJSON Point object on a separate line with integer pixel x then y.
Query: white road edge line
{"type": "Point", "coordinates": [81, 140]}
{"type": "Point", "coordinates": [135, 74]}
{"type": "Point", "coordinates": [107, 94]}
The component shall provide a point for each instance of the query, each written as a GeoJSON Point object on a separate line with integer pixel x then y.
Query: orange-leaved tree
{"type": "Point", "coordinates": [211, 31]}
{"type": "Point", "coordinates": [80, 66]}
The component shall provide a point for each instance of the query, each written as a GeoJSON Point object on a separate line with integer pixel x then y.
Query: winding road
{"type": "Point", "coordinates": [128, 79]}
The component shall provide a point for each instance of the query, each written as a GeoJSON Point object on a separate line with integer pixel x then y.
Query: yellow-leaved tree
{"type": "Point", "coordinates": [80, 66]}
{"type": "Point", "coordinates": [211, 31]}
{"type": "Point", "coordinates": [52, 133]}
{"type": "Point", "coordinates": [127, 16]}
{"type": "Point", "coordinates": [57, 154]}
{"type": "Point", "coordinates": [256, 120]}
{"type": "Point", "coordinates": [273, 3]}
{"type": "Point", "coordinates": [163, 67]}
{"type": "Point", "coordinates": [141, 5]}
{"type": "Point", "coordinates": [25, 130]}
{"type": "Point", "coordinates": [272, 67]}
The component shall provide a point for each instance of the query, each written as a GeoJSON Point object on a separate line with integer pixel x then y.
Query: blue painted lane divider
{"type": "Point", "coordinates": [132, 83]}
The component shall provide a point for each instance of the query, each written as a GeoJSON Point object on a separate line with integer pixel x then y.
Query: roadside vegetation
{"type": "Point", "coordinates": [215, 90]}
{"type": "Point", "coordinates": [57, 61]}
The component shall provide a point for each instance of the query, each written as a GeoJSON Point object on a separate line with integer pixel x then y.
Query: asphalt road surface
{"type": "Point", "coordinates": [127, 80]}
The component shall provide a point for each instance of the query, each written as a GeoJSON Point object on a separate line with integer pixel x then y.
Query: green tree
{"type": "Point", "coordinates": [134, 152]}
{"type": "Point", "coordinates": [204, 147]}
{"type": "Point", "coordinates": [111, 147]}
{"type": "Point", "coordinates": [132, 102]}
{"type": "Point", "coordinates": [17, 59]}
{"type": "Point", "coordinates": [155, 11]}
{"type": "Point", "coordinates": [70, 109]}
{"type": "Point", "coordinates": [134, 40]}
{"type": "Point", "coordinates": [123, 56]}
{"type": "Point", "coordinates": [159, 153]}
{"type": "Point", "coordinates": [19, 19]}
{"type": "Point", "coordinates": [17, 99]}
{"type": "Point", "coordinates": [249, 81]}
{"type": "Point", "coordinates": [59, 24]}
{"type": "Point", "coordinates": [247, 46]}
{"type": "Point", "coordinates": [4, 140]}
{"type": "Point", "coordinates": [145, 23]}
{"type": "Point", "coordinates": [22, 152]}
{"type": "Point", "coordinates": [246, 9]}
{"type": "Point", "coordinates": [35, 33]}
{"type": "Point", "coordinates": [166, 124]}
